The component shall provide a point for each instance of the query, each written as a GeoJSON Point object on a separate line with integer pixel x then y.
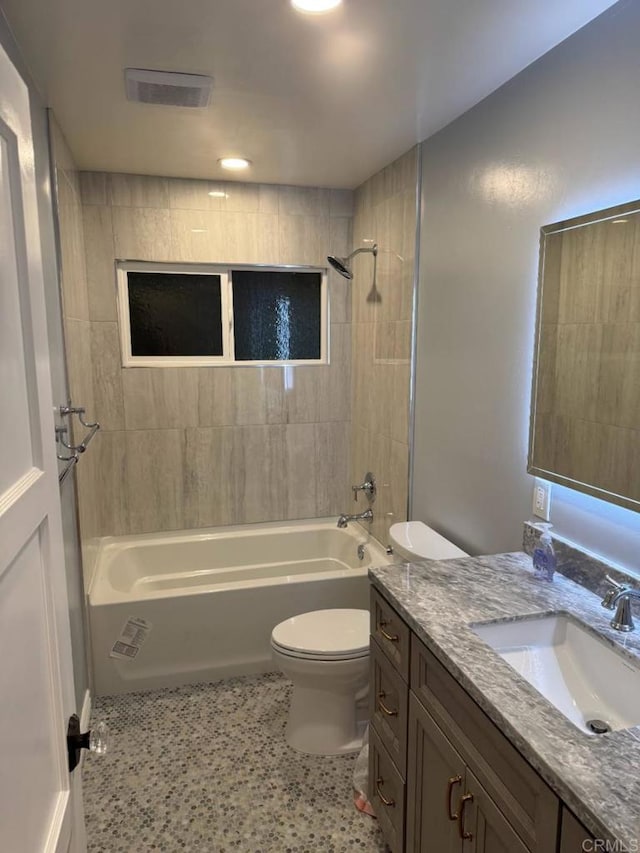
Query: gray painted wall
{"type": "Point", "coordinates": [73, 562]}
{"type": "Point", "coordinates": [560, 139]}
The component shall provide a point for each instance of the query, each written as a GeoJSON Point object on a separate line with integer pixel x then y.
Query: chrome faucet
{"type": "Point", "coordinates": [619, 598]}
{"type": "Point", "coordinates": [367, 515]}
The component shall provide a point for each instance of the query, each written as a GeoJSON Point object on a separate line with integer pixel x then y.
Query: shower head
{"type": "Point", "coordinates": [342, 265]}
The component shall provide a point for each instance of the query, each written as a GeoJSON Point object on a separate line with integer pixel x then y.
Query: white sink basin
{"type": "Point", "coordinates": [584, 677]}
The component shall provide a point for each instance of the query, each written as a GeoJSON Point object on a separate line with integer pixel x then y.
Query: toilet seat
{"type": "Point", "coordinates": [324, 635]}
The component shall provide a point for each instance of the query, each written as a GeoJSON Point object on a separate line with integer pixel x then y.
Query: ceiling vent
{"type": "Point", "coordinates": [167, 88]}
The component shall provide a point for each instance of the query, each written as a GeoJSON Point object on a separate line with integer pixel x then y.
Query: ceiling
{"type": "Point", "coordinates": [311, 100]}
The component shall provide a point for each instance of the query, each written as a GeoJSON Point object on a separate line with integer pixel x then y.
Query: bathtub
{"type": "Point", "coordinates": [178, 608]}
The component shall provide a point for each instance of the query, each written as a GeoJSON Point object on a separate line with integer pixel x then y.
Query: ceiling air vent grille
{"type": "Point", "coordinates": [167, 88]}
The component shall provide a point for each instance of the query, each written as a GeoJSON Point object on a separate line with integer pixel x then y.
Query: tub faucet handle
{"type": "Point", "coordinates": [368, 487]}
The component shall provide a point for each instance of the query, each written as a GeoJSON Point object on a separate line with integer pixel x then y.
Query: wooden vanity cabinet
{"type": "Point", "coordinates": [574, 837]}
{"type": "Point", "coordinates": [442, 777]}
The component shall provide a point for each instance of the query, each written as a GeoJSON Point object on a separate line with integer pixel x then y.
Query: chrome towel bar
{"type": "Point", "coordinates": [75, 449]}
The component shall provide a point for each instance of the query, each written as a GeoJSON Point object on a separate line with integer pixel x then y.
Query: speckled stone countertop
{"type": "Point", "coordinates": [597, 776]}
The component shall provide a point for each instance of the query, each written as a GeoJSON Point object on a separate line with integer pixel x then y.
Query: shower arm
{"type": "Point", "coordinates": [373, 250]}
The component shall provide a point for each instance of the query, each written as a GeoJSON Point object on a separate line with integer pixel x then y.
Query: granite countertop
{"type": "Point", "coordinates": [597, 776]}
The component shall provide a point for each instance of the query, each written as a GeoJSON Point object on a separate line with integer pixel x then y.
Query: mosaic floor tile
{"type": "Point", "coordinates": [205, 768]}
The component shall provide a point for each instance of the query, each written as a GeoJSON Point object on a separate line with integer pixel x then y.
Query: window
{"type": "Point", "coordinates": [190, 315]}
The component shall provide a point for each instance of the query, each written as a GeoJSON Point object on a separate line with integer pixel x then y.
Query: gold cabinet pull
{"type": "Point", "coordinates": [393, 638]}
{"type": "Point", "coordinates": [382, 695]}
{"type": "Point", "coordinates": [455, 780]}
{"type": "Point", "coordinates": [390, 803]}
{"type": "Point", "coordinates": [465, 836]}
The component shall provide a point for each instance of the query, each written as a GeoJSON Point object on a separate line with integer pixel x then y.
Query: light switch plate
{"type": "Point", "coordinates": [542, 499]}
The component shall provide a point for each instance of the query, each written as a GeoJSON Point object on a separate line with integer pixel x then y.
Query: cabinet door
{"type": "Point", "coordinates": [484, 827]}
{"type": "Point", "coordinates": [435, 784]}
{"type": "Point", "coordinates": [575, 838]}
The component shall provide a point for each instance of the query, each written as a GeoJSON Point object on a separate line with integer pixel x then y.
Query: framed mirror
{"type": "Point", "coordinates": [585, 412]}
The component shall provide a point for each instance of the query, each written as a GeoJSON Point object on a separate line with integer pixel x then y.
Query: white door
{"type": "Point", "coordinates": [38, 802]}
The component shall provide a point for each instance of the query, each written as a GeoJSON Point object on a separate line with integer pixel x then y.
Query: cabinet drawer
{"type": "Point", "coordinates": [391, 633]}
{"type": "Point", "coordinates": [388, 703]}
{"type": "Point", "coordinates": [387, 793]}
{"type": "Point", "coordinates": [527, 802]}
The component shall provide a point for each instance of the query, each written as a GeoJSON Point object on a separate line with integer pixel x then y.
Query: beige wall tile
{"type": "Point", "coordinates": [138, 191]}
{"type": "Point", "coordinates": [333, 487]}
{"type": "Point", "coordinates": [198, 436]}
{"type": "Point", "coordinates": [142, 234]}
{"type": "Point", "coordinates": [304, 240]}
{"type": "Point", "coordinates": [154, 479]}
{"type": "Point", "coordinates": [74, 287]}
{"type": "Point", "coordinates": [304, 201]}
{"type": "Point", "coordinates": [224, 237]}
{"type": "Point", "coordinates": [269, 198]}
{"type": "Point", "coordinates": [259, 395]}
{"type": "Point", "coordinates": [242, 198]}
{"type": "Point", "coordinates": [160, 397]}
{"type": "Point", "coordinates": [259, 462]}
{"type": "Point", "coordinates": [187, 194]}
{"type": "Point", "coordinates": [109, 492]}
{"type": "Point", "coordinates": [301, 471]}
{"type": "Point", "coordinates": [100, 262]}
{"type": "Point", "coordinates": [209, 478]}
{"type": "Point", "coordinates": [77, 335]}
{"type": "Point", "coordinates": [216, 396]}
{"type": "Point", "coordinates": [93, 188]}
{"type": "Point", "coordinates": [107, 376]}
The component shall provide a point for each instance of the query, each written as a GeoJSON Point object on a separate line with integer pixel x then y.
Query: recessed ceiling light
{"type": "Point", "coordinates": [218, 194]}
{"type": "Point", "coordinates": [315, 7]}
{"type": "Point", "coordinates": [619, 221]}
{"type": "Point", "coordinates": [235, 164]}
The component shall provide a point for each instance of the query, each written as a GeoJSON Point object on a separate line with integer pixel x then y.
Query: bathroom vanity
{"type": "Point", "coordinates": [465, 755]}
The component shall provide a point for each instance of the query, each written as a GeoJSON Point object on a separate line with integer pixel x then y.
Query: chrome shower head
{"type": "Point", "coordinates": [342, 266]}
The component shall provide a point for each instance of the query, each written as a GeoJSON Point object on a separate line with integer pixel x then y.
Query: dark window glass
{"type": "Point", "coordinates": [276, 315]}
{"type": "Point", "coordinates": [175, 314]}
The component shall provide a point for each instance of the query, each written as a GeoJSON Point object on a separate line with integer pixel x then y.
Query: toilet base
{"type": "Point", "coordinates": [325, 723]}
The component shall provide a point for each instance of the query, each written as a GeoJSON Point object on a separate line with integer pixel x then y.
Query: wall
{"type": "Point", "coordinates": [558, 140]}
{"type": "Point", "coordinates": [385, 212]}
{"type": "Point", "coordinates": [194, 447]}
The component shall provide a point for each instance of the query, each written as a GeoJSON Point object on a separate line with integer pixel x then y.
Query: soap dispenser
{"type": "Point", "coordinates": [544, 557]}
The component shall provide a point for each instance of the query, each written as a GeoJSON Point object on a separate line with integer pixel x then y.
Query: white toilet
{"type": "Point", "coordinates": [325, 654]}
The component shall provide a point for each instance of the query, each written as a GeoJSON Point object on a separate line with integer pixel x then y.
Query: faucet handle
{"type": "Point", "coordinates": [610, 594]}
{"type": "Point", "coordinates": [368, 487]}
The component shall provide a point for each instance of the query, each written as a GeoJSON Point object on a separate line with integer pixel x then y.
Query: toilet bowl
{"type": "Point", "coordinates": [325, 653]}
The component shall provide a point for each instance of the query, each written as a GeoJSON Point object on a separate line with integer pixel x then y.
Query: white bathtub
{"type": "Point", "coordinates": [213, 596]}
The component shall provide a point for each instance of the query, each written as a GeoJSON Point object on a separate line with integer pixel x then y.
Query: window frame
{"type": "Point", "coordinates": [225, 272]}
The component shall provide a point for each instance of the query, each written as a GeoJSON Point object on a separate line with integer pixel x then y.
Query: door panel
{"type": "Point", "coordinates": [490, 831]}
{"type": "Point", "coordinates": [15, 449]}
{"type": "Point", "coordinates": [436, 780]}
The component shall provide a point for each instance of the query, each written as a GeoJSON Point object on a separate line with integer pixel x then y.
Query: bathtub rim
{"type": "Point", "coordinates": [100, 592]}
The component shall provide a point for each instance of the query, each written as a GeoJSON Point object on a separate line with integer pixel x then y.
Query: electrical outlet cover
{"type": "Point", "coordinates": [542, 499]}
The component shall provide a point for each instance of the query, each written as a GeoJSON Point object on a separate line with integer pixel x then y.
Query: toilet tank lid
{"type": "Point", "coordinates": [414, 540]}
{"type": "Point", "coordinates": [334, 632]}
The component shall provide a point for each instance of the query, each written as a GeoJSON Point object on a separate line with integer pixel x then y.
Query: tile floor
{"type": "Point", "coordinates": [206, 768]}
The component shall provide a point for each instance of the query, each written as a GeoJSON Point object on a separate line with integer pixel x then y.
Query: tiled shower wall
{"type": "Point", "coordinates": [382, 311]}
{"type": "Point", "coordinates": [194, 447]}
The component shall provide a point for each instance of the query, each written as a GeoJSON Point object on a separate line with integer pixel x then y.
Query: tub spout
{"type": "Point", "coordinates": [367, 515]}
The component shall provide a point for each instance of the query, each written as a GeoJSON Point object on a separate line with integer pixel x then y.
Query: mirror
{"type": "Point", "coordinates": [585, 416]}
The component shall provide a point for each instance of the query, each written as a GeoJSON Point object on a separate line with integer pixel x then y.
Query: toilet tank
{"type": "Point", "coordinates": [414, 540]}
